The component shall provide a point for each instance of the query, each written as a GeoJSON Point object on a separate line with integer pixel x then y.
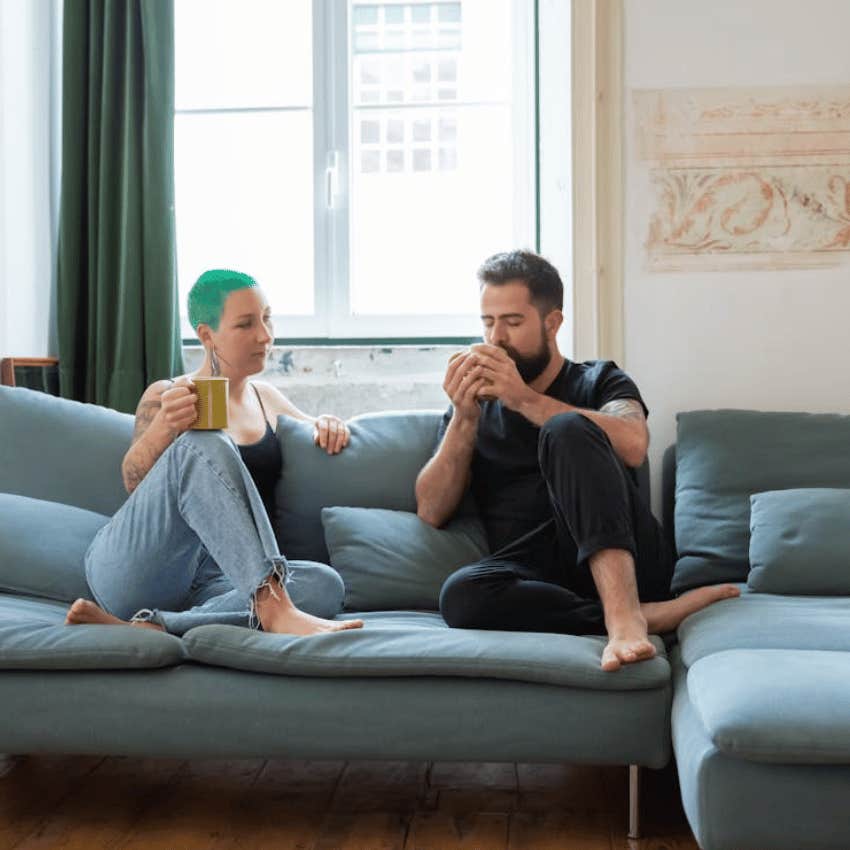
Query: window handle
{"type": "Point", "coordinates": [332, 179]}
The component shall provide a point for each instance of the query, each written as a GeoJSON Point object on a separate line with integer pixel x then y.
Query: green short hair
{"type": "Point", "coordinates": [207, 296]}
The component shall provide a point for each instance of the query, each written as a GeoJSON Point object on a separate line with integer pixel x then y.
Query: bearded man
{"type": "Point", "coordinates": [549, 447]}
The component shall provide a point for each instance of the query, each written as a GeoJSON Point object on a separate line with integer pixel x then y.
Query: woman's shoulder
{"type": "Point", "coordinates": [156, 389]}
{"type": "Point", "coordinates": [269, 393]}
{"type": "Point", "coordinates": [276, 402]}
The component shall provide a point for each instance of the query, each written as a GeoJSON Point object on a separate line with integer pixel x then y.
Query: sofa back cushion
{"type": "Point", "coordinates": [800, 542]}
{"type": "Point", "coordinates": [722, 458]}
{"type": "Point", "coordinates": [60, 450]}
{"type": "Point", "coordinates": [392, 560]}
{"type": "Point", "coordinates": [42, 546]}
{"type": "Point", "coordinates": [377, 469]}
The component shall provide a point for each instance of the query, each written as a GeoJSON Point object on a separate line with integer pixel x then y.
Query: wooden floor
{"type": "Point", "coordinates": [168, 804]}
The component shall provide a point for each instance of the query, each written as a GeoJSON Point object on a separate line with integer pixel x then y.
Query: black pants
{"type": "Point", "coordinates": [542, 581]}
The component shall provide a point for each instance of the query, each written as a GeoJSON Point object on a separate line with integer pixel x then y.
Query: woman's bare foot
{"type": "Point", "coordinates": [627, 644]}
{"type": "Point", "coordinates": [278, 615]}
{"type": "Point", "coordinates": [84, 611]}
{"type": "Point", "coordinates": [662, 617]}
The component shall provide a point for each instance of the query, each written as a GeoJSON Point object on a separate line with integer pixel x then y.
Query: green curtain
{"type": "Point", "coordinates": [117, 310]}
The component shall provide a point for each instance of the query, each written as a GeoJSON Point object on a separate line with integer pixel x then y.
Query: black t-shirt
{"type": "Point", "coordinates": [507, 484]}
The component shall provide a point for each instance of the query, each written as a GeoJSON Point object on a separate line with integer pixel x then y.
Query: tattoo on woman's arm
{"type": "Point", "coordinates": [145, 413]}
{"type": "Point", "coordinates": [133, 474]}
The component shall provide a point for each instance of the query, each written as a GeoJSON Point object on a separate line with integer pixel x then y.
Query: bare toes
{"type": "Point", "coordinates": [610, 661]}
{"type": "Point", "coordinates": [644, 650]}
{"type": "Point", "coordinates": [76, 609]}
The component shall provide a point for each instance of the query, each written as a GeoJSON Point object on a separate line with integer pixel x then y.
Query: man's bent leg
{"type": "Point", "coordinates": [604, 521]}
{"type": "Point", "coordinates": [498, 594]}
{"type": "Point", "coordinates": [595, 505]}
{"type": "Point", "coordinates": [614, 575]}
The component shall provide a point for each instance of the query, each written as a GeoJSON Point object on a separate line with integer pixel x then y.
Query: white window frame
{"type": "Point", "coordinates": [331, 185]}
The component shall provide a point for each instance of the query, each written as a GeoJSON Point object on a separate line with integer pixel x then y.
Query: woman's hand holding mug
{"type": "Point", "coordinates": [178, 407]}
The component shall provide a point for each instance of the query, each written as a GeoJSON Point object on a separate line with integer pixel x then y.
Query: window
{"type": "Point", "coordinates": [359, 159]}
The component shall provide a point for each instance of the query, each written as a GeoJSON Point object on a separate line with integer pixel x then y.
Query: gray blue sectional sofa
{"type": "Point", "coordinates": [404, 687]}
{"type": "Point", "coordinates": [756, 693]}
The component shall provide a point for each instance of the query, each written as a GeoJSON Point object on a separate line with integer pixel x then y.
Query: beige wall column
{"type": "Point", "coordinates": [598, 179]}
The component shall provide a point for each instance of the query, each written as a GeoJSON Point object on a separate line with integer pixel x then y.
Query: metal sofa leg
{"type": "Point", "coordinates": [634, 801]}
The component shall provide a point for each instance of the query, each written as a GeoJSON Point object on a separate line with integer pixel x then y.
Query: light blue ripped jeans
{"type": "Point", "coordinates": [193, 543]}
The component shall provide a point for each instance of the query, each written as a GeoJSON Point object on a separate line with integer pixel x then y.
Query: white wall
{"type": "Point", "coordinates": [763, 340]}
{"type": "Point", "coordinates": [29, 124]}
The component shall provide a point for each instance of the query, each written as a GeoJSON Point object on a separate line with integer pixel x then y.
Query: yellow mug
{"type": "Point", "coordinates": [211, 404]}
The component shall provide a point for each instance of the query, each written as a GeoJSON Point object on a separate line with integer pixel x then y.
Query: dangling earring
{"type": "Point", "coordinates": [215, 366]}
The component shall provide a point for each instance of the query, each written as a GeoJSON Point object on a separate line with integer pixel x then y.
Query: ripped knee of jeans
{"type": "Point", "coordinates": [279, 570]}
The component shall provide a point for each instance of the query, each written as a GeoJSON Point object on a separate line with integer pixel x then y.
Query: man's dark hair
{"type": "Point", "coordinates": [546, 291]}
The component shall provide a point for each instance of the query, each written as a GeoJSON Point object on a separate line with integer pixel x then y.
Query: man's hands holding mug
{"type": "Point", "coordinates": [483, 373]}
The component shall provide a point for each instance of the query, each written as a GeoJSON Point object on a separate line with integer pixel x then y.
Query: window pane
{"type": "Point", "coordinates": [244, 200]}
{"type": "Point", "coordinates": [243, 54]}
{"type": "Point", "coordinates": [442, 200]}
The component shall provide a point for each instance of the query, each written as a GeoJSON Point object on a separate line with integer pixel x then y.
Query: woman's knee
{"type": "Point", "coordinates": [216, 446]}
{"type": "Point", "coordinates": [315, 588]}
{"type": "Point", "coordinates": [208, 442]}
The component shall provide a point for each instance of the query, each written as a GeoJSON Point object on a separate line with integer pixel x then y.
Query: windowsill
{"type": "Point", "coordinates": [364, 342]}
{"type": "Point", "coordinates": [361, 363]}
{"type": "Point", "coordinates": [351, 379]}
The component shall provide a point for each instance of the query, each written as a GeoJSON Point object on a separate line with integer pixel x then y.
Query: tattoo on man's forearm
{"type": "Point", "coordinates": [625, 408]}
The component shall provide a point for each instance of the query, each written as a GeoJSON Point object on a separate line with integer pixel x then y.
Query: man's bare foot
{"type": "Point", "coordinates": [627, 644]}
{"type": "Point", "coordinates": [278, 615]}
{"type": "Point", "coordinates": [84, 611]}
{"type": "Point", "coordinates": [664, 617]}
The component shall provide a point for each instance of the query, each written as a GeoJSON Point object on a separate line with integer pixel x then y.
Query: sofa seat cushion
{"type": "Point", "coordinates": [766, 621]}
{"type": "Point", "coordinates": [42, 546]}
{"type": "Point", "coordinates": [414, 643]}
{"type": "Point", "coordinates": [33, 636]}
{"type": "Point", "coordinates": [775, 705]}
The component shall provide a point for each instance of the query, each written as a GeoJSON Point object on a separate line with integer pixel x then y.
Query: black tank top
{"type": "Point", "coordinates": [264, 460]}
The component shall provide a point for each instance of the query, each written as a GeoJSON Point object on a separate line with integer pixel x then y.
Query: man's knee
{"type": "Point", "coordinates": [569, 432]}
{"type": "Point", "coordinates": [461, 602]}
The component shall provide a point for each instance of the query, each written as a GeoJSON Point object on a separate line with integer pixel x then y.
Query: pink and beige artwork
{"type": "Point", "coordinates": [756, 179]}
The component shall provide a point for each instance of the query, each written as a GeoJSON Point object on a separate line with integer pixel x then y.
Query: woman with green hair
{"type": "Point", "coordinates": [194, 544]}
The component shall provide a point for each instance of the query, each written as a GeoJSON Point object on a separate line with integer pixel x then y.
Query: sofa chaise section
{"type": "Point", "coordinates": [761, 712]}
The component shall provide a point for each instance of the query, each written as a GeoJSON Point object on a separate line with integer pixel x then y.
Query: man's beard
{"type": "Point", "coordinates": [530, 366]}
